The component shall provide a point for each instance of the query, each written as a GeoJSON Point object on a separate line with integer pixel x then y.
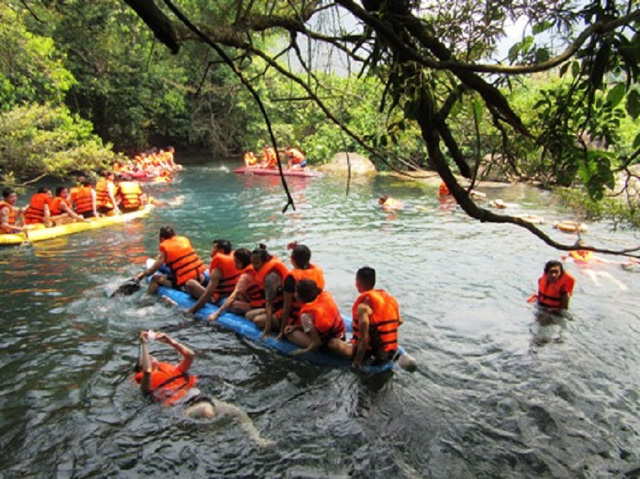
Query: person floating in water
{"type": "Point", "coordinates": [173, 385]}
{"type": "Point", "coordinates": [587, 263]}
{"type": "Point", "coordinates": [555, 287]}
{"type": "Point", "coordinates": [390, 204]}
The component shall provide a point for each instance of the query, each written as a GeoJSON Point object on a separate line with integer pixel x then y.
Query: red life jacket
{"type": "Point", "coordinates": [550, 294]}
{"type": "Point", "coordinates": [230, 274]}
{"type": "Point", "coordinates": [82, 199]}
{"type": "Point", "coordinates": [326, 317]}
{"type": "Point", "coordinates": [56, 205]}
{"type": "Point", "coordinates": [276, 265]}
{"type": "Point", "coordinates": [35, 211]}
{"type": "Point", "coordinates": [181, 259]}
{"type": "Point", "coordinates": [168, 383]}
{"type": "Point", "coordinates": [383, 323]}
{"type": "Point", "coordinates": [313, 273]}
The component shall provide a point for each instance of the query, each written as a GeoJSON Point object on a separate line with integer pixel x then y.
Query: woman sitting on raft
{"type": "Point", "coordinates": [555, 287]}
{"type": "Point", "coordinates": [173, 385]}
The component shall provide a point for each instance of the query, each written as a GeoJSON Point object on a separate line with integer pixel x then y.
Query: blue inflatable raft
{"type": "Point", "coordinates": [246, 328]}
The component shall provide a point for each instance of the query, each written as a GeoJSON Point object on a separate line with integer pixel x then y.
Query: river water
{"type": "Point", "coordinates": [497, 393]}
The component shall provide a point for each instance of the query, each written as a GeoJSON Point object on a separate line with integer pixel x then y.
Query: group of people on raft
{"type": "Point", "coordinates": [111, 195]}
{"type": "Point", "coordinates": [290, 300]}
{"type": "Point", "coordinates": [153, 163]}
{"type": "Point", "coordinates": [295, 158]}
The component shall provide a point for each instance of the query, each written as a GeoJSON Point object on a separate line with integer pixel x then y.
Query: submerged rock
{"type": "Point", "coordinates": [360, 165]}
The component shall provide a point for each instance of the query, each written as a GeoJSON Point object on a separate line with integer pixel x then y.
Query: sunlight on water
{"type": "Point", "coordinates": [497, 393]}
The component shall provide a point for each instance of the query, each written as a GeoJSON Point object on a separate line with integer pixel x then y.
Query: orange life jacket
{"type": "Point", "coordinates": [250, 159]}
{"type": "Point", "coordinates": [82, 199]}
{"type": "Point", "coordinates": [550, 294]}
{"type": "Point", "coordinates": [255, 293]}
{"type": "Point", "coordinates": [581, 255]}
{"type": "Point", "coordinates": [274, 264]}
{"type": "Point", "coordinates": [443, 190]}
{"type": "Point", "coordinates": [230, 274]}
{"type": "Point", "coordinates": [130, 193]}
{"type": "Point", "coordinates": [326, 317]}
{"type": "Point", "coordinates": [12, 214]}
{"type": "Point", "coordinates": [383, 323]}
{"type": "Point", "coordinates": [56, 205]}
{"type": "Point", "coordinates": [181, 259]}
{"type": "Point", "coordinates": [168, 384]}
{"type": "Point", "coordinates": [102, 194]}
{"type": "Point", "coordinates": [269, 158]}
{"type": "Point", "coordinates": [35, 211]}
{"type": "Point", "coordinates": [312, 272]}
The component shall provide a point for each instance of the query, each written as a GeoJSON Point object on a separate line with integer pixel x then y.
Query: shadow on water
{"type": "Point", "coordinates": [500, 391]}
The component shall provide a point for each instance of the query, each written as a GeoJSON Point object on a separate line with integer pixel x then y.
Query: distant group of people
{"type": "Point", "coordinates": [152, 163]}
{"type": "Point", "coordinates": [110, 196]}
{"type": "Point", "coordinates": [295, 158]}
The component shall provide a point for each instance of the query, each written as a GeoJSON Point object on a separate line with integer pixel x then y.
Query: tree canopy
{"type": "Point", "coordinates": [436, 67]}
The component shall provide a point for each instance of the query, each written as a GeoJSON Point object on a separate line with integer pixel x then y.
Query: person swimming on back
{"type": "Point", "coordinates": [173, 385]}
{"type": "Point", "coordinates": [390, 204]}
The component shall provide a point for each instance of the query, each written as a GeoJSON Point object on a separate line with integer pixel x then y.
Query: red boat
{"type": "Point", "coordinates": [300, 172]}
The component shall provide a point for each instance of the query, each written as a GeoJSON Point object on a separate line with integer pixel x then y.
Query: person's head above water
{"type": "Point", "coordinates": [383, 199]}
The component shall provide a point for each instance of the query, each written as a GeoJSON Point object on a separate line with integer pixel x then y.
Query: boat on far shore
{"type": "Point", "coordinates": [296, 172]}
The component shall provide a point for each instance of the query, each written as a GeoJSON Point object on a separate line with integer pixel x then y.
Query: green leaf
{"type": "Point", "coordinates": [575, 69]}
{"type": "Point", "coordinates": [542, 55]}
{"type": "Point", "coordinates": [636, 141]}
{"type": "Point", "coordinates": [616, 94]}
{"type": "Point", "coordinates": [513, 52]}
{"type": "Point", "coordinates": [563, 69]}
{"type": "Point", "coordinates": [526, 43]}
{"type": "Point", "coordinates": [541, 27]}
{"type": "Point", "coordinates": [633, 104]}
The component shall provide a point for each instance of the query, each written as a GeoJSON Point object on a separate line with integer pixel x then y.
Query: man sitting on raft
{"type": "Point", "coordinates": [173, 385]}
{"type": "Point", "coordinates": [320, 322]}
{"type": "Point", "coordinates": [375, 319]}
{"type": "Point", "coordinates": [179, 256]}
{"type": "Point", "coordinates": [61, 211]}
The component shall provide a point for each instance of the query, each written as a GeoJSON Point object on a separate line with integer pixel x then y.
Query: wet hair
{"type": "Point", "coordinates": [243, 255]}
{"type": "Point", "coordinates": [301, 254]}
{"type": "Point", "coordinates": [167, 232]}
{"type": "Point", "coordinates": [223, 244]}
{"type": "Point", "coordinates": [262, 253]}
{"type": "Point", "coordinates": [383, 199]}
{"type": "Point", "coordinates": [7, 192]}
{"type": "Point", "coordinates": [44, 189]}
{"type": "Point", "coordinates": [307, 290]}
{"type": "Point", "coordinates": [59, 190]}
{"type": "Point", "coordinates": [366, 276]}
{"type": "Point", "coordinates": [550, 264]}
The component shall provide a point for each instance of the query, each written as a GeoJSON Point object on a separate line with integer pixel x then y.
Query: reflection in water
{"type": "Point", "coordinates": [496, 393]}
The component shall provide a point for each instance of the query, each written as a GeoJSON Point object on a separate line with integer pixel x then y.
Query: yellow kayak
{"type": "Point", "coordinates": [41, 233]}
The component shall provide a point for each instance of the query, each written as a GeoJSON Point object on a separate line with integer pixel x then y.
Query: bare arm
{"type": "Point", "coordinates": [187, 354]}
{"type": "Point", "coordinates": [227, 302]}
{"type": "Point", "coordinates": [271, 284]}
{"type": "Point", "coordinates": [145, 386]}
{"type": "Point", "coordinates": [160, 259]}
{"type": "Point", "coordinates": [364, 312]}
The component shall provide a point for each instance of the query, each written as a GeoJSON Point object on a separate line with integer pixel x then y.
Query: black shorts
{"type": "Point", "coordinates": [87, 214]}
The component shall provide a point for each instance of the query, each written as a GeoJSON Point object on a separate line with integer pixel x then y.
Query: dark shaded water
{"type": "Point", "coordinates": [497, 394]}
